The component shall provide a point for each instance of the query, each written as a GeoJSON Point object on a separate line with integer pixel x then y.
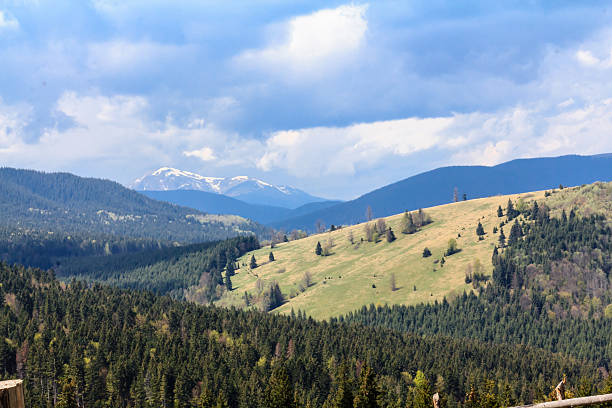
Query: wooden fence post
{"type": "Point", "coordinates": [436, 400]}
{"type": "Point", "coordinates": [560, 390]}
{"type": "Point", "coordinates": [11, 394]}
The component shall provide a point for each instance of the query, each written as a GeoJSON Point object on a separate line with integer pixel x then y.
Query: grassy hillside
{"type": "Point", "coordinates": [359, 274]}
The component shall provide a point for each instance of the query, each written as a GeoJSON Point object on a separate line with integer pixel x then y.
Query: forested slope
{"type": "Point", "coordinates": [102, 346]}
{"type": "Point", "coordinates": [552, 283]}
{"type": "Point", "coordinates": [48, 217]}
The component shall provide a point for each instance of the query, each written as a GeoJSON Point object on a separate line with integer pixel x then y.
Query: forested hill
{"type": "Point", "coordinates": [64, 202]}
{"type": "Point", "coordinates": [437, 187]}
{"type": "Point", "coordinates": [100, 346]}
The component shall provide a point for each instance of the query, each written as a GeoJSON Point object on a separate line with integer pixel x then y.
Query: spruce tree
{"type": "Point", "coordinates": [279, 392]}
{"type": "Point", "coordinates": [502, 237]}
{"type": "Point", "coordinates": [228, 282]}
{"type": "Point", "coordinates": [253, 263]}
{"type": "Point", "coordinates": [367, 393]}
{"type": "Point", "coordinates": [67, 398]}
{"type": "Point", "coordinates": [318, 249]}
{"type": "Point", "coordinates": [480, 230]}
{"type": "Point", "coordinates": [390, 235]}
{"type": "Point", "coordinates": [500, 212]}
{"type": "Point", "coordinates": [510, 211]}
{"type": "Point", "coordinates": [344, 395]}
{"type": "Point", "coordinates": [230, 270]}
{"type": "Point", "coordinates": [271, 257]}
{"type": "Point", "coordinates": [426, 252]}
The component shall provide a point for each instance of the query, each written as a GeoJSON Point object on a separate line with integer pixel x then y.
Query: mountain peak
{"type": "Point", "coordinates": [245, 188]}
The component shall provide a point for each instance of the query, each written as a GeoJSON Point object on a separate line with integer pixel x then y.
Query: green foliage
{"type": "Point", "coordinates": [426, 252]}
{"type": "Point", "coordinates": [271, 257]}
{"type": "Point", "coordinates": [480, 230]}
{"type": "Point", "coordinates": [253, 262]}
{"type": "Point", "coordinates": [279, 392]}
{"type": "Point", "coordinates": [367, 392]}
{"type": "Point", "coordinates": [451, 248]}
{"type": "Point", "coordinates": [318, 249]}
{"type": "Point", "coordinates": [390, 235]}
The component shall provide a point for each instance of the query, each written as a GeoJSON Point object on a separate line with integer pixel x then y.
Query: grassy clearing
{"type": "Point", "coordinates": [360, 274]}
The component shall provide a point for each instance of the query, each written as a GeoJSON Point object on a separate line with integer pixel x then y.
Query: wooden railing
{"type": "Point", "coordinates": [11, 394]}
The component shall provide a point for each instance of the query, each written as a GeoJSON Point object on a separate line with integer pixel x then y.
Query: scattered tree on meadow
{"type": "Point", "coordinates": [392, 282]}
{"type": "Point", "coordinates": [228, 282]}
{"type": "Point", "coordinates": [319, 226]}
{"type": "Point", "coordinates": [510, 211]}
{"type": "Point", "coordinates": [502, 237]}
{"type": "Point", "coordinates": [253, 263]}
{"type": "Point", "coordinates": [271, 257]}
{"type": "Point", "coordinates": [390, 235]}
{"type": "Point", "coordinates": [426, 252]}
{"type": "Point", "coordinates": [369, 232]}
{"type": "Point", "coordinates": [318, 249]}
{"type": "Point", "coordinates": [408, 226]}
{"type": "Point", "coordinates": [381, 226]}
{"type": "Point", "coordinates": [451, 248]}
{"type": "Point", "coordinates": [306, 281]}
{"type": "Point", "coordinates": [480, 230]}
{"type": "Point", "coordinates": [500, 212]}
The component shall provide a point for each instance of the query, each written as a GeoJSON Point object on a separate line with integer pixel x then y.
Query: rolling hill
{"type": "Point", "coordinates": [436, 187]}
{"type": "Point", "coordinates": [47, 216]}
{"type": "Point", "coordinates": [213, 203]}
{"type": "Point", "coordinates": [359, 274]}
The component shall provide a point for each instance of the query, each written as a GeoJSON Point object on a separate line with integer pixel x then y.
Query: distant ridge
{"type": "Point", "coordinates": [436, 187]}
{"type": "Point", "coordinates": [244, 188]}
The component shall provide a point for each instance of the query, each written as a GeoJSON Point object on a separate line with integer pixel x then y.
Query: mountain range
{"type": "Point", "coordinates": [437, 187]}
{"type": "Point", "coordinates": [246, 189]}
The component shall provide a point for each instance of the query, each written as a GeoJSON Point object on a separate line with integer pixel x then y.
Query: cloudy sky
{"type": "Point", "coordinates": [335, 98]}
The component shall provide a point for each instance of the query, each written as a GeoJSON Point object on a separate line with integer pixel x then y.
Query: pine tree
{"type": "Point", "coordinates": [230, 269]}
{"type": "Point", "coordinates": [515, 233]}
{"type": "Point", "coordinates": [502, 237]}
{"type": "Point", "coordinates": [500, 212]}
{"type": "Point", "coordinates": [228, 282]}
{"type": "Point", "coordinates": [510, 211]}
{"type": "Point", "coordinates": [367, 394]}
{"type": "Point", "coordinates": [480, 230]}
{"type": "Point", "coordinates": [408, 226]}
{"type": "Point", "coordinates": [271, 257]}
{"type": "Point", "coordinates": [318, 249]}
{"type": "Point", "coordinates": [279, 392]}
{"type": "Point", "coordinates": [535, 211]}
{"type": "Point", "coordinates": [344, 395]}
{"type": "Point", "coordinates": [426, 252]}
{"type": "Point", "coordinates": [67, 397]}
{"type": "Point", "coordinates": [253, 263]}
{"type": "Point", "coordinates": [390, 235]}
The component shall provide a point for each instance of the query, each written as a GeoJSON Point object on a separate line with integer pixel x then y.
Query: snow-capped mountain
{"type": "Point", "coordinates": [248, 189]}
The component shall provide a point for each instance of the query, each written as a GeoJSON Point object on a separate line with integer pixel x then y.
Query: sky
{"type": "Point", "coordinates": [334, 98]}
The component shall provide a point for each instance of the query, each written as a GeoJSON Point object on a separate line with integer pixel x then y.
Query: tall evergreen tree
{"type": "Point", "coordinates": [253, 263]}
{"type": "Point", "coordinates": [480, 230]}
{"type": "Point", "coordinates": [502, 237]}
{"type": "Point", "coordinates": [318, 249]}
{"type": "Point", "coordinates": [279, 392]}
{"type": "Point", "coordinates": [500, 212]}
{"type": "Point", "coordinates": [271, 257]}
{"type": "Point", "coordinates": [367, 393]}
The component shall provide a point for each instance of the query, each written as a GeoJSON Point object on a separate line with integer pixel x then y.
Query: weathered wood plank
{"type": "Point", "coordinates": [572, 402]}
{"type": "Point", "coordinates": [11, 394]}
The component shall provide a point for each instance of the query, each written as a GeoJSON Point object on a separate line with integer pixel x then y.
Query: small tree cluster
{"type": "Point", "coordinates": [451, 247]}
{"type": "Point", "coordinates": [426, 252]}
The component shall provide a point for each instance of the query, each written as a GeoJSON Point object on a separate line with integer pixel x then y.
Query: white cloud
{"type": "Point", "coordinates": [7, 21]}
{"type": "Point", "coordinates": [587, 58]}
{"type": "Point", "coordinates": [313, 42]}
{"type": "Point", "coordinates": [204, 154]}
{"type": "Point", "coordinates": [121, 55]}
